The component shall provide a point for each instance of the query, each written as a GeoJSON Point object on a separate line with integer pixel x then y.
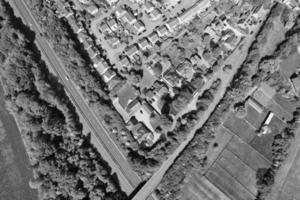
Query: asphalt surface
{"type": "Point", "coordinates": [129, 180]}
{"type": "Point", "coordinates": [236, 59]}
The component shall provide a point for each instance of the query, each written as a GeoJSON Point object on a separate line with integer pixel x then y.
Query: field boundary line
{"type": "Point", "coordinates": [237, 179]}
{"type": "Point", "coordinates": [250, 146]}
{"type": "Point", "coordinates": [217, 158]}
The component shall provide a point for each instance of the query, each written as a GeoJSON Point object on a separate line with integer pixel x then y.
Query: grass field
{"type": "Point", "coordinates": [263, 144]}
{"type": "Point", "coordinates": [255, 118]}
{"type": "Point", "coordinates": [291, 187]}
{"type": "Point", "coordinates": [250, 156]}
{"type": "Point", "coordinates": [239, 127]}
{"type": "Point", "coordinates": [198, 187]}
{"type": "Point", "coordinates": [276, 35]}
{"type": "Point", "coordinates": [284, 103]}
{"type": "Point", "coordinates": [228, 184]}
{"type": "Point", "coordinates": [272, 105]}
{"type": "Point", "coordinates": [14, 165]}
{"type": "Point", "coordinates": [234, 172]}
{"type": "Point", "coordinates": [223, 136]}
{"type": "Point", "coordinates": [289, 65]}
{"type": "Point", "coordinates": [239, 170]}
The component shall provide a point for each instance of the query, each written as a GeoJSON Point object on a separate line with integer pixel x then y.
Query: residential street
{"type": "Point", "coordinates": [236, 59]}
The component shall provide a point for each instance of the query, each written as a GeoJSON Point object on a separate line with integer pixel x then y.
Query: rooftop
{"type": "Point", "coordinates": [153, 37]}
{"type": "Point", "coordinates": [132, 50]}
{"type": "Point", "coordinates": [173, 23]}
{"type": "Point", "coordinates": [162, 31]}
{"type": "Point", "coordinates": [144, 43]}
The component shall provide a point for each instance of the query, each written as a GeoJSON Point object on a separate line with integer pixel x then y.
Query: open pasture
{"type": "Point", "coordinates": [239, 127]}
{"type": "Point", "coordinates": [239, 170]}
{"type": "Point", "coordinates": [247, 154]}
{"type": "Point", "coordinates": [289, 65]}
{"type": "Point", "coordinates": [263, 144]}
{"type": "Point", "coordinates": [272, 105]}
{"type": "Point", "coordinates": [198, 187]}
{"type": "Point", "coordinates": [254, 117]}
{"type": "Point", "coordinates": [228, 184]}
{"type": "Point", "coordinates": [223, 136]}
{"type": "Point", "coordinates": [291, 187]}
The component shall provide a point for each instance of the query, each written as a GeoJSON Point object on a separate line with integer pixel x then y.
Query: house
{"type": "Point", "coordinates": [254, 104]}
{"type": "Point", "coordinates": [120, 12]}
{"type": "Point", "coordinates": [114, 41]}
{"type": "Point", "coordinates": [139, 27]}
{"type": "Point", "coordinates": [140, 132]}
{"type": "Point", "coordinates": [162, 31]}
{"type": "Point", "coordinates": [129, 18]}
{"type": "Point", "coordinates": [144, 114]}
{"type": "Point", "coordinates": [132, 51]}
{"type": "Point", "coordinates": [104, 28]}
{"type": "Point", "coordinates": [115, 84]}
{"type": "Point", "coordinates": [148, 6]}
{"type": "Point", "coordinates": [126, 102]}
{"type": "Point", "coordinates": [266, 129]}
{"type": "Point", "coordinates": [113, 24]}
{"type": "Point", "coordinates": [172, 78]}
{"type": "Point", "coordinates": [100, 66]}
{"type": "Point", "coordinates": [108, 75]}
{"type": "Point", "coordinates": [82, 36]}
{"type": "Point", "coordinates": [87, 44]}
{"type": "Point", "coordinates": [215, 37]}
{"type": "Point", "coordinates": [157, 69]}
{"type": "Point", "coordinates": [296, 84]}
{"type": "Point", "coordinates": [144, 44]}
{"type": "Point", "coordinates": [172, 24]}
{"type": "Point", "coordinates": [155, 14]}
{"type": "Point", "coordinates": [195, 59]}
{"type": "Point", "coordinates": [77, 29]}
{"type": "Point", "coordinates": [93, 10]}
{"type": "Point", "coordinates": [124, 62]}
{"type": "Point", "coordinates": [84, 1]}
{"type": "Point", "coordinates": [92, 52]}
{"type": "Point", "coordinates": [185, 70]}
{"type": "Point", "coordinates": [153, 37]}
{"type": "Point", "coordinates": [65, 12]}
{"type": "Point", "coordinates": [111, 2]}
{"type": "Point", "coordinates": [293, 4]}
{"type": "Point", "coordinates": [155, 93]}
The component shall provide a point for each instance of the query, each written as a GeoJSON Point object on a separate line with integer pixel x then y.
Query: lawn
{"type": "Point", "coordinates": [223, 136]}
{"type": "Point", "coordinates": [272, 105]}
{"type": "Point", "coordinates": [289, 65]}
{"type": "Point", "coordinates": [291, 187]}
{"type": "Point", "coordinates": [228, 184]}
{"type": "Point", "coordinates": [276, 35]}
{"type": "Point", "coordinates": [239, 127]}
{"type": "Point", "coordinates": [147, 80]}
{"type": "Point", "coordinates": [279, 111]}
{"type": "Point", "coordinates": [239, 170]}
{"type": "Point", "coordinates": [285, 103]}
{"type": "Point", "coordinates": [263, 144]}
{"type": "Point", "coordinates": [15, 171]}
{"type": "Point", "coordinates": [254, 117]}
{"type": "Point", "coordinates": [247, 154]}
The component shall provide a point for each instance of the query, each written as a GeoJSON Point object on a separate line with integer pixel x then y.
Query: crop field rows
{"type": "Point", "coordinates": [234, 171]}
{"type": "Point", "coordinates": [241, 152]}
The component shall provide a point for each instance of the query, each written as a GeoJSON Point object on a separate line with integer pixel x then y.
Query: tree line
{"type": "Point", "coordinates": [65, 164]}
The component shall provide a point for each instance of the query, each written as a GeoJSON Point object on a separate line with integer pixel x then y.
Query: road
{"type": "Point", "coordinates": [129, 180]}
{"type": "Point", "coordinates": [235, 59]}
